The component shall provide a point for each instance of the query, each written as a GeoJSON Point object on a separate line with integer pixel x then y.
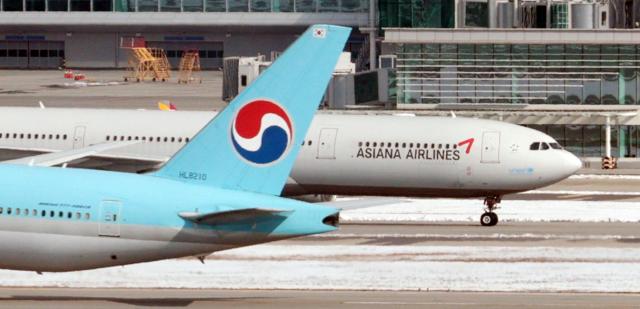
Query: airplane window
{"type": "Point", "coordinates": [52, 213]}
{"type": "Point", "coordinates": [433, 146]}
{"type": "Point", "coordinates": [555, 145]}
{"type": "Point", "coordinates": [87, 216]}
{"type": "Point", "coordinates": [404, 145]}
{"type": "Point", "coordinates": [144, 138]}
{"type": "Point", "coordinates": [15, 135]}
{"type": "Point", "coordinates": [367, 144]}
{"type": "Point", "coordinates": [359, 144]}
{"type": "Point", "coordinates": [7, 135]}
{"type": "Point", "coordinates": [21, 135]}
{"type": "Point", "coordinates": [173, 139]}
{"type": "Point", "coordinates": [60, 214]}
{"type": "Point", "coordinates": [534, 146]}
{"type": "Point", "coordinates": [64, 137]}
{"type": "Point", "coordinates": [34, 212]}
{"type": "Point", "coordinates": [128, 138]}
{"type": "Point", "coordinates": [9, 211]}
{"type": "Point", "coordinates": [375, 144]}
{"type": "Point", "coordinates": [186, 139]}
{"type": "Point", "coordinates": [35, 136]}
{"type": "Point", "coordinates": [417, 145]}
{"type": "Point", "coordinates": [29, 136]}
{"type": "Point", "coordinates": [179, 139]}
{"type": "Point", "coordinates": [78, 215]}
{"type": "Point", "coordinates": [439, 146]}
{"type": "Point", "coordinates": [1, 210]}
{"type": "Point", "coordinates": [69, 215]}
{"type": "Point", "coordinates": [50, 136]}
{"type": "Point", "coordinates": [108, 137]}
{"type": "Point", "coordinates": [389, 145]}
{"type": "Point", "coordinates": [136, 138]}
{"type": "Point", "coordinates": [545, 146]}
{"type": "Point", "coordinates": [43, 213]}
{"type": "Point", "coordinates": [397, 145]}
{"type": "Point", "coordinates": [410, 145]}
{"type": "Point", "coordinates": [309, 143]}
{"type": "Point", "coordinates": [302, 143]}
{"type": "Point", "coordinates": [17, 211]}
{"type": "Point", "coordinates": [455, 146]}
{"type": "Point", "coordinates": [57, 136]}
{"type": "Point", "coordinates": [0, 135]}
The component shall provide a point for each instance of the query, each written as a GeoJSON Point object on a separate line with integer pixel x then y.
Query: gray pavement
{"type": "Point", "coordinates": [547, 234]}
{"type": "Point", "coordinates": [26, 88]}
{"type": "Point", "coordinates": [186, 298]}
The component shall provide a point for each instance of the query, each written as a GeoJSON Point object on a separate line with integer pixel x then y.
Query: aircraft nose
{"type": "Point", "coordinates": [572, 163]}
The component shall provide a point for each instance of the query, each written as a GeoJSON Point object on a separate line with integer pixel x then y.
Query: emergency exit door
{"type": "Point", "coordinates": [490, 147]}
{"type": "Point", "coordinates": [109, 218]}
{"type": "Point", "coordinates": [327, 143]}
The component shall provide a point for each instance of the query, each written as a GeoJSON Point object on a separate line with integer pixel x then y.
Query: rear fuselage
{"type": "Point", "coordinates": [55, 219]}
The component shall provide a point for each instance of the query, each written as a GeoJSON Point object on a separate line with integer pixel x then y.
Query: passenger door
{"type": "Point", "coordinates": [326, 143]}
{"type": "Point", "coordinates": [78, 137]}
{"type": "Point", "coordinates": [109, 218]}
{"type": "Point", "coordinates": [490, 147]}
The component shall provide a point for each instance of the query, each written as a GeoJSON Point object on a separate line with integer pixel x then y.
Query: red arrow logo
{"type": "Point", "coordinates": [468, 142]}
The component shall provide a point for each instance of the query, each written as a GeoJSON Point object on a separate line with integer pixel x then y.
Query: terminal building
{"type": "Point", "coordinates": [567, 67]}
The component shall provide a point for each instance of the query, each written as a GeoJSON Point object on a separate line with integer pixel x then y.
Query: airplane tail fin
{"type": "Point", "coordinates": [252, 144]}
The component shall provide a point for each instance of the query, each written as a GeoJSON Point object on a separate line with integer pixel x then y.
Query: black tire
{"type": "Point", "coordinates": [486, 219]}
{"type": "Point", "coordinates": [494, 218]}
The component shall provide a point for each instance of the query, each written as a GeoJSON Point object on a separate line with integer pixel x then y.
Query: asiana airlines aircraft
{"type": "Point", "coordinates": [341, 154]}
{"type": "Point", "coordinates": [219, 191]}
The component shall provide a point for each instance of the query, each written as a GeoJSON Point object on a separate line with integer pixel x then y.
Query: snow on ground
{"type": "Point", "coordinates": [366, 267]}
{"type": "Point", "coordinates": [430, 210]}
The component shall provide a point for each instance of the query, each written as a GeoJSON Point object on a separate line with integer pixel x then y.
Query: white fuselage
{"type": "Point", "coordinates": [342, 154]}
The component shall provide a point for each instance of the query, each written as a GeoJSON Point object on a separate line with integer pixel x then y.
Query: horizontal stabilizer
{"type": "Point", "coordinates": [364, 203]}
{"type": "Point", "coordinates": [55, 158]}
{"type": "Point", "coordinates": [230, 216]}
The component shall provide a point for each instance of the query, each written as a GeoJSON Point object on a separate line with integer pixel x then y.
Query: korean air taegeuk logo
{"type": "Point", "coordinates": [261, 132]}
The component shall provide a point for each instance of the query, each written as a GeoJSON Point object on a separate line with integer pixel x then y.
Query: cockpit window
{"type": "Point", "coordinates": [544, 146]}
{"type": "Point", "coordinates": [555, 145]}
{"type": "Point", "coordinates": [535, 146]}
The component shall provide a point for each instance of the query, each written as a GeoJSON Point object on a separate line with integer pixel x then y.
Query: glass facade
{"type": "Point", "coordinates": [310, 6]}
{"type": "Point", "coordinates": [416, 13]}
{"type": "Point", "coordinates": [519, 74]}
{"type": "Point", "coordinates": [589, 140]}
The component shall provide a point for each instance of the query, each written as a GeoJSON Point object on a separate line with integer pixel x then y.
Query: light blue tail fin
{"type": "Point", "coordinates": [252, 144]}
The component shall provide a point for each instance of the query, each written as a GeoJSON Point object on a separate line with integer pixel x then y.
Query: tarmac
{"type": "Point", "coordinates": [186, 298]}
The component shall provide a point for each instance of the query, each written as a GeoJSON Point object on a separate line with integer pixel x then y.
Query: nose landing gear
{"type": "Point", "coordinates": [490, 218]}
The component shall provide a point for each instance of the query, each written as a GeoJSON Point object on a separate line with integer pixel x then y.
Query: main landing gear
{"type": "Point", "coordinates": [490, 218]}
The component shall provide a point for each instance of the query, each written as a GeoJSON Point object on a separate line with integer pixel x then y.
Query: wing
{"type": "Point", "coordinates": [55, 158]}
{"type": "Point", "coordinates": [231, 216]}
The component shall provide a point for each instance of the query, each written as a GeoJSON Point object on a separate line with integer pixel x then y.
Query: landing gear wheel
{"type": "Point", "coordinates": [489, 219]}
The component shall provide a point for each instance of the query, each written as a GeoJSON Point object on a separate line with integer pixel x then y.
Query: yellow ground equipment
{"type": "Point", "coordinates": [189, 63]}
{"type": "Point", "coordinates": [145, 62]}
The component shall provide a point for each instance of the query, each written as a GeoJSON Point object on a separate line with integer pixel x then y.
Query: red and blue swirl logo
{"type": "Point", "coordinates": [261, 132]}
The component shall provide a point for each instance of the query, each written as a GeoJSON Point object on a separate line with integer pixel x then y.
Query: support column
{"type": "Point", "coordinates": [372, 35]}
{"type": "Point", "coordinates": [607, 137]}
